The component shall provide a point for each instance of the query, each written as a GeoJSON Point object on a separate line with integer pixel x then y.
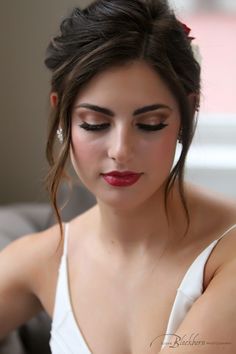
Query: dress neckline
{"type": "Point", "coordinates": [75, 322]}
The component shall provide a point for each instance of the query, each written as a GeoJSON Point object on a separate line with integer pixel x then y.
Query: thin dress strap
{"type": "Point", "coordinates": [228, 230]}
{"type": "Point", "coordinates": [189, 290]}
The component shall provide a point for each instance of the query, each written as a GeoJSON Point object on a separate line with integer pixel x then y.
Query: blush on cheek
{"type": "Point", "coordinates": [85, 151]}
{"type": "Point", "coordinates": [84, 154]}
{"type": "Point", "coordinates": [165, 152]}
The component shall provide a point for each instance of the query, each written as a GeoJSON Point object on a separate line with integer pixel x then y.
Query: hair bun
{"type": "Point", "coordinates": [58, 49]}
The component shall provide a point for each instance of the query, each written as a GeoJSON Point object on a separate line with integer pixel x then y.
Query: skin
{"type": "Point", "coordinates": [130, 221]}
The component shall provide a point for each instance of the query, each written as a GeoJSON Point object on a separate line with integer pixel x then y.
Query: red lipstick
{"type": "Point", "coordinates": [121, 179]}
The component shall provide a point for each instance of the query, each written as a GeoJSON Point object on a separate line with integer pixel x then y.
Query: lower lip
{"type": "Point", "coordinates": [124, 181]}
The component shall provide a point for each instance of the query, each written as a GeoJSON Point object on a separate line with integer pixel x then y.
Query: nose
{"type": "Point", "coordinates": [121, 146]}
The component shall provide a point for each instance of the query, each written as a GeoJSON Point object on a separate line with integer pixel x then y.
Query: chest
{"type": "Point", "coordinates": [119, 313]}
{"type": "Point", "coordinates": [122, 318]}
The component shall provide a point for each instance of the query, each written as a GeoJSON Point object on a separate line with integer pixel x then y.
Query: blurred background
{"type": "Point", "coordinates": [26, 28]}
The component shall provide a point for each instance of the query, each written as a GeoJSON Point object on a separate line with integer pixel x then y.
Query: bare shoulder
{"type": "Point", "coordinates": [212, 315]}
{"type": "Point", "coordinates": [217, 216]}
{"type": "Point", "coordinates": [23, 265]}
{"type": "Point", "coordinates": [216, 207]}
{"type": "Point", "coordinates": [48, 248]}
{"type": "Point", "coordinates": [46, 252]}
{"type": "Point", "coordinates": [32, 252]}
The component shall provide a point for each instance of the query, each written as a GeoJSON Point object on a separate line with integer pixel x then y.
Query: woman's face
{"type": "Point", "coordinates": [137, 121]}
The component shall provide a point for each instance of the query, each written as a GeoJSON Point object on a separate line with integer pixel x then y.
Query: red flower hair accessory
{"type": "Point", "coordinates": [195, 47]}
{"type": "Point", "coordinates": [187, 30]}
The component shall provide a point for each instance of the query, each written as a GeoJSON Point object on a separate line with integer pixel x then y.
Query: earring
{"type": "Point", "coordinates": [180, 136]}
{"type": "Point", "coordinates": [60, 135]}
{"type": "Point", "coordinates": [197, 103]}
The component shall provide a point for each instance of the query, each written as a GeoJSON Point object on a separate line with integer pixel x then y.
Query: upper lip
{"type": "Point", "coordinates": [124, 173]}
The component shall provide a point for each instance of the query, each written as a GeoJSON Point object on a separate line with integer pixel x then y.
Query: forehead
{"type": "Point", "coordinates": [133, 83]}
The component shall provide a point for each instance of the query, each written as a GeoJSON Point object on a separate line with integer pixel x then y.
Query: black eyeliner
{"type": "Point", "coordinates": [100, 127]}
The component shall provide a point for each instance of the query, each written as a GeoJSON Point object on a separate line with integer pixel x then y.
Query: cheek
{"type": "Point", "coordinates": [162, 151]}
{"type": "Point", "coordinates": [85, 150]}
{"type": "Point", "coordinates": [160, 158]}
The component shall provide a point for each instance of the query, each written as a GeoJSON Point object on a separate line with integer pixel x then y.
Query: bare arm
{"type": "Point", "coordinates": [212, 318]}
{"type": "Point", "coordinates": [18, 303]}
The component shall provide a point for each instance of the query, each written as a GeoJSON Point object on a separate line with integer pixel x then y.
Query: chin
{"type": "Point", "coordinates": [126, 200]}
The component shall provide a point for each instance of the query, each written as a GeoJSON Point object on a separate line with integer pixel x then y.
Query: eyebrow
{"type": "Point", "coordinates": [110, 113]}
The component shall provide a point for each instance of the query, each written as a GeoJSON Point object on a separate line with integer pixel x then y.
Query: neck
{"type": "Point", "coordinates": [130, 232]}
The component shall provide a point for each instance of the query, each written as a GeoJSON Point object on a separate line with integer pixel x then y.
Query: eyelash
{"type": "Point", "coordinates": [99, 127]}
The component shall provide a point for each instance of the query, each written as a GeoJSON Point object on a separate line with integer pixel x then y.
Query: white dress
{"type": "Point", "coordinates": [66, 337]}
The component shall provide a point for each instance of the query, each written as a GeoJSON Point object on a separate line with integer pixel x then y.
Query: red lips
{"type": "Point", "coordinates": [121, 179]}
{"type": "Point", "coordinates": [121, 174]}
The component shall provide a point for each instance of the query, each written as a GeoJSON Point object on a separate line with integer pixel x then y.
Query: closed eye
{"type": "Point", "coordinates": [99, 127]}
{"type": "Point", "coordinates": [151, 127]}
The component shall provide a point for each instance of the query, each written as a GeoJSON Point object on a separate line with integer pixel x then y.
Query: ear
{"type": "Point", "coordinates": [53, 99]}
{"type": "Point", "coordinates": [193, 99]}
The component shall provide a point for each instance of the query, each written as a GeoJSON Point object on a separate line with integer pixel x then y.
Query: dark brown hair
{"type": "Point", "coordinates": [111, 33]}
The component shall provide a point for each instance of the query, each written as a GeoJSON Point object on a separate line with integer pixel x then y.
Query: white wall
{"type": "Point", "coordinates": [211, 161]}
{"type": "Point", "coordinates": [190, 6]}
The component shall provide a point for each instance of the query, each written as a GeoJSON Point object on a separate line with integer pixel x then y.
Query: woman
{"type": "Point", "coordinates": [143, 270]}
